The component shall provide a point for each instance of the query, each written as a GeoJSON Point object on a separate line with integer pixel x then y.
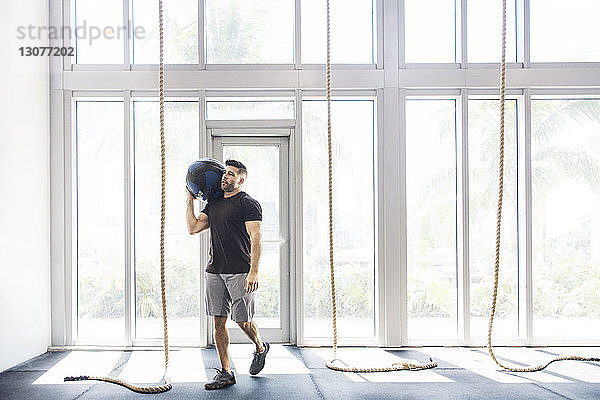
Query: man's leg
{"type": "Point", "coordinates": [262, 348]}
{"type": "Point", "coordinates": [242, 312]}
{"type": "Point", "coordinates": [222, 341]}
{"type": "Point", "coordinates": [251, 330]}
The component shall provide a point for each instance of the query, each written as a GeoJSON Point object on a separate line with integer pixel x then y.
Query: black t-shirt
{"type": "Point", "coordinates": [229, 239]}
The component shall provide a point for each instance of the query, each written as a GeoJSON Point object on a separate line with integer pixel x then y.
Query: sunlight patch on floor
{"type": "Point", "coordinates": [374, 357]}
{"type": "Point", "coordinates": [531, 357]}
{"type": "Point", "coordinates": [185, 365]}
{"type": "Point", "coordinates": [479, 362]}
{"type": "Point", "coordinates": [474, 361]}
{"type": "Point", "coordinates": [280, 360]}
{"type": "Point", "coordinates": [97, 363]}
{"type": "Point", "coordinates": [522, 357]}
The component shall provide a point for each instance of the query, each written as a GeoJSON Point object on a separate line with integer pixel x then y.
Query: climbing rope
{"type": "Point", "coordinates": [499, 219]}
{"type": "Point", "coordinates": [398, 366]}
{"type": "Point", "coordinates": [167, 381]}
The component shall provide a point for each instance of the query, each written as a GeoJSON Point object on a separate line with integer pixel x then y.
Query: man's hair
{"type": "Point", "coordinates": [240, 167]}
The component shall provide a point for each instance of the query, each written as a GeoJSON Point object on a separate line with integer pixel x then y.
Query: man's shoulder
{"type": "Point", "coordinates": [245, 198]}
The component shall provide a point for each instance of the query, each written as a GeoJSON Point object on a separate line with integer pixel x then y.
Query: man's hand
{"type": "Point", "coordinates": [189, 195]}
{"type": "Point", "coordinates": [251, 282]}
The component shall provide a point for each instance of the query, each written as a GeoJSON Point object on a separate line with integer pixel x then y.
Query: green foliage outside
{"type": "Point", "coordinates": [101, 292]}
{"type": "Point", "coordinates": [182, 289]}
{"type": "Point", "coordinates": [354, 292]}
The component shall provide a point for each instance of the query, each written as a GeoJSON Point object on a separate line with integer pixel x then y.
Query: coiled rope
{"type": "Point", "coordinates": [499, 221]}
{"type": "Point", "coordinates": [398, 366]}
{"type": "Point", "coordinates": [167, 381]}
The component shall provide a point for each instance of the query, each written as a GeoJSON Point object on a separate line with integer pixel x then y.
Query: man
{"type": "Point", "coordinates": [232, 272]}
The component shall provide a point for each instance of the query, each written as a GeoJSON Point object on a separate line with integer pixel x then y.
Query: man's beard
{"type": "Point", "coordinates": [228, 187]}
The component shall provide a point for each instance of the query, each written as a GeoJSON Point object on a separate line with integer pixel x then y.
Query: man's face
{"type": "Point", "coordinates": [231, 180]}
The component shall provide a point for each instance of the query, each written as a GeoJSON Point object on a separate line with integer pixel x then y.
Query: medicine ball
{"type": "Point", "coordinates": [204, 178]}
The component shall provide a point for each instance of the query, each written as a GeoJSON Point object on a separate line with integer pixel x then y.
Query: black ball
{"type": "Point", "coordinates": [204, 178]}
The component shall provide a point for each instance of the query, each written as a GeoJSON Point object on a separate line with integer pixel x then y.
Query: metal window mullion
{"type": "Point", "coordinates": [378, 32]}
{"type": "Point", "coordinates": [227, 95]}
{"type": "Point", "coordinates": [70, 213]}
{"type": "Point", "coordinates": [128, 143]}
{"type": "Point", "coordinates": [526, 33]}
{"type": "Point", "coordinates": [284, 267]}
{"type": "Point", "coordinates": [525, 223]}
{"type": "Point", "coordinates": [461, 40]}
{"type": "Point", "coordinates": [127, 61]}
{"type": "Point", "coordinates": [297, 221]}
{"type": "Point", "coordinates": [297, 34]}
{"type": "Point", "coordinates": [519, 29]}
{"type": "Point", "coordinates": [107, 78]}
{"type": "Point", "coordinates": [433, 94]}
{"type": "Point", "coordinates": [391, 44]}
{"type": "Point", "coordinates": [462, 228]}
{"type": "Point", "coordinates": [403, 312]}
{"type": "Point", "coordinates": [379, 219]}
{"type": "Point", "coordinates": [341, 94]}
{"type": "Point", "coordinates": [68, 19]}
{"type": "Point", "coordinates": [401, 35]}
{"type": "Point", "coordinates": [529, 249]}
{"type": "Point", "coordinates": [393, 199]}
{"type": "Point", "coordinates": [201, 35]}
{"type": "Point", "coordinates": [280, 124]}
{"type": "Point", "coordinates": [204, 150]}
{"type": "Point", "coordinates": [562, 93]}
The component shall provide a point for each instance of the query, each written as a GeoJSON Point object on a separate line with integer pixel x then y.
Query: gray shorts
{"type": "Point", "coordinates": [225, 294]}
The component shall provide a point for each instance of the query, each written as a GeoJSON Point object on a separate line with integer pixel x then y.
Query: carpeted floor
{"type": "Point", "coordinates": [293, 373]}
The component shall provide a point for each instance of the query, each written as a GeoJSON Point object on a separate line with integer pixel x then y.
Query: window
{"type": "Point", "coordinates": [565, 168]}
{"type": "Point", "coordinates": [430, 31]}
{"type": "Point", "coordinates": [180, 22]}
{"type": "Point", "coordinates": [351, 31]}
{"type": "Point", "coordinates": [484, 31]}
{"type": "Point", "coordinates": [99, 32]}
{"type": "Point", "coordinates": [565, 30]}
{"type": "Point", "coordinates": [250, 109]}
{"type": "Point", "coordinates": [249, 32]}
{"type": "Point", "coordinates": [484, 139]}
{"type": "Point", "coordinates": [100, 221]}
{"type": "Point", "coordinates": [353, 135]}
{"type": "Point", "coordinates": [182, 263]}
{"type": "Point", "coordinates": [251, 45]}
{"type": "Point", "coordinates": [431, 218]}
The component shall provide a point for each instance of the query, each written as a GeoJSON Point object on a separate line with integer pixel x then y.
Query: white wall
{"type": "Point", "coordinates": [24, 188]}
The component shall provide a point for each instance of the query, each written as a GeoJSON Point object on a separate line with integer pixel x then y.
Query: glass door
{"type": "Point", "coordinates": [266, 158]}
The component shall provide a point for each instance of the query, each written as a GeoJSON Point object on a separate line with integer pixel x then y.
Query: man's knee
{"type": "Point", "coordinates": [245, 325]}
{"type": "Point", "coordinates": [220, 322]}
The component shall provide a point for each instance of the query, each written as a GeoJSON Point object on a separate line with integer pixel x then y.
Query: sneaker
{"type": "Point", "coordinates": [221, 379]}
{"type": "Point", "coordinates": [258, 362]}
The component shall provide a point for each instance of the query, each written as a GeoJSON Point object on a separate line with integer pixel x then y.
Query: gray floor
{"type": "Point", "coordinates": [293, 373]}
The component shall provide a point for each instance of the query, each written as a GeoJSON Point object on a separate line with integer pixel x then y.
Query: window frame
{"type": "Point", "coordinates": [378, 305]}
{"type": "Point", "coordinates": [389, 80]}
{"type": "Point", "coordinates": [547, 94]}
{"type": "Point", "coordinates": [455, 96]}
{"type": "Point", "coordinates": [69, 63]}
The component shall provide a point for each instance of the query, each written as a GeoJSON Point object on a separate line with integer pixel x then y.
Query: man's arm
{"type": "Point", "coordinates": [195, 225]}
{"type": "Point", "coordinates": [253, 228]}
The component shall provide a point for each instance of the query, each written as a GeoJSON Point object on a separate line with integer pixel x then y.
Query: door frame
{"type": "Point", "coordinates": [265, 133]}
